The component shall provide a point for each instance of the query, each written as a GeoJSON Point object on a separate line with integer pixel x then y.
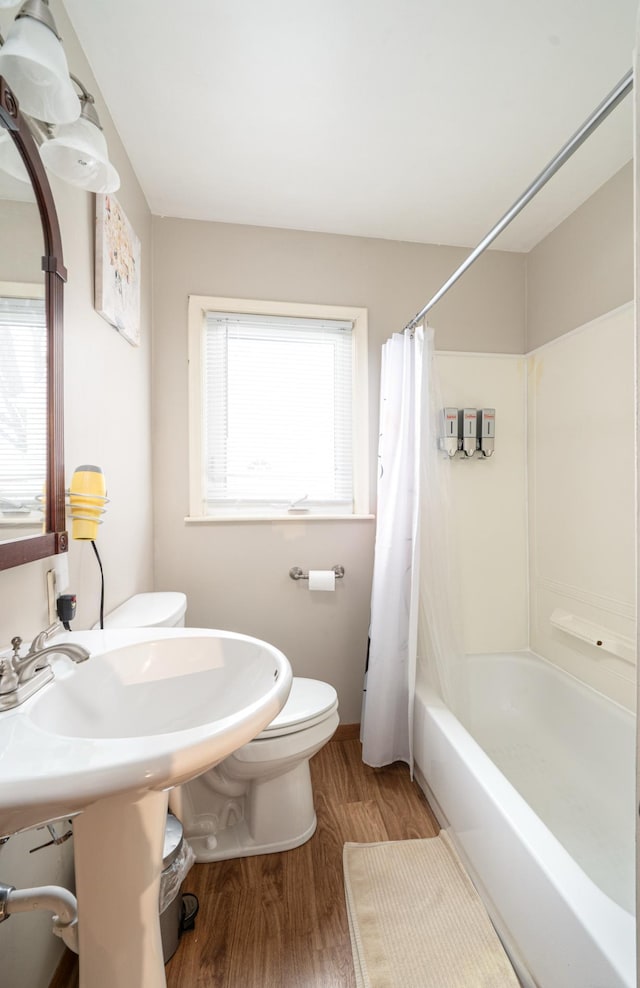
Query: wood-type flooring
{"type": "Point", "coordinates": [279, 920]}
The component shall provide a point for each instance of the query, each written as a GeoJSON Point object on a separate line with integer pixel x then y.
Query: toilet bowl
{"type": "Point", "coordinates": [260, 798]}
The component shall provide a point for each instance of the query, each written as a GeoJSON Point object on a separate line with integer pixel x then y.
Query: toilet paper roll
{"type": "Point", "coordinates": [322, 579]}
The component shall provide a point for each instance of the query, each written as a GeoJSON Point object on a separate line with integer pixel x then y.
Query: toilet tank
{"type": "Point", "coordinates": [164, 609]}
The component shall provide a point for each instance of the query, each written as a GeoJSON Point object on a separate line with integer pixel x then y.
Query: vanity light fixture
{"type": "Point", "coordinates": [65, 124]}
{"type": "Point", "coordinates": [78, 151]}
{"type": "Point", "coordinates": [33, 62]}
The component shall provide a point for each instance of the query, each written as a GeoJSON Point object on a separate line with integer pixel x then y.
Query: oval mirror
{"type": "Point", "coordinates": [32, 275]}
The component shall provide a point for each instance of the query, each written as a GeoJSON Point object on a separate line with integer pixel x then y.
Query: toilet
{"type": "Point", "coordinates": [164, 609]}
{"type": "Point", "coordinates": [259, 799]}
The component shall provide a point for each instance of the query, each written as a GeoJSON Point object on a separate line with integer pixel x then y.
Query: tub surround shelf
{"type": "Point", "coordinates": [586, 631]}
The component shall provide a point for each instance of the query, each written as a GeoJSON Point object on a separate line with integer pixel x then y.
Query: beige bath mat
{"type": "Point", "coordinates": [416, 920]}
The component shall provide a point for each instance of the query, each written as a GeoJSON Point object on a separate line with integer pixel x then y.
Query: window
{"type": "Point", "coordinates": [278, 410]}
{"type": "Point", "coordinates": [23, 404]}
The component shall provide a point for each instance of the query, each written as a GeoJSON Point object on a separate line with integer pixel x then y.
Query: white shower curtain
{"type": "Point", "coordinates": [387, 716]}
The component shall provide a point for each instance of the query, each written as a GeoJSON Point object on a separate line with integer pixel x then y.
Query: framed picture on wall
{"type": "Point", "coordinates": [117, 273]}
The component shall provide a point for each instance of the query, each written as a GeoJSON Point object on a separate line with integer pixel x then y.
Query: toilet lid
{"type": "Point", "coordinates": [309, 701]}
{"type": "Point", "coordinates": [148, 610]}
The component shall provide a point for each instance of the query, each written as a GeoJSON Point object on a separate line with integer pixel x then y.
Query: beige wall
{"type": "Point", "coordinates": [236, 574]}
{"type": "Point", "coordinates": [107, 421]}
{"type": "Point", "coordinates": [584, 268]}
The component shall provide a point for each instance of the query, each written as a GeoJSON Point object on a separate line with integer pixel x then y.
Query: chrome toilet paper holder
{"type": "Point", "coordinates": [298, 574]}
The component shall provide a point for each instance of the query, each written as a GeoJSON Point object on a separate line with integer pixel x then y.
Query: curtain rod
{"type": "Point", "coordinates": [608, 104]}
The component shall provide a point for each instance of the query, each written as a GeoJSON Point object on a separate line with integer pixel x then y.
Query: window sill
{"type": "Point", "coordinates": [222, 519]}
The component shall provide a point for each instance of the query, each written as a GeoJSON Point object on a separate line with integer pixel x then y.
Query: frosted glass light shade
{"type": "Point", "coordinates": [10, 160]}
{"type": "Point", "coordinates": [78, 154]}
{"type": "Point", "coordinates": [33, 62]}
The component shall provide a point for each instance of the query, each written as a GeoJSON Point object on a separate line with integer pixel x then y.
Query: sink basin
{"type": "Point", "coordinates": [164, 686]}
{"type": "Point", "coordinates": [105, 739]}
{"type": "Point", "coordinates": [150, 709]}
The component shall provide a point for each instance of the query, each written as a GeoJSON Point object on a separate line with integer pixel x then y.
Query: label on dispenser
{"type": "Point", "coordinates": [487, 423]}
{"type": "Point", "coordinates": [449, 431]}
{"type": "Point", "coordinates": [487, 430]}
{"type": "Point", "coordinates": [468, 429]}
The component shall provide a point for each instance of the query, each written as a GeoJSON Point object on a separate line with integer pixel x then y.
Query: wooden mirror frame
{"type": "Point", "coordinates": [54, 539]}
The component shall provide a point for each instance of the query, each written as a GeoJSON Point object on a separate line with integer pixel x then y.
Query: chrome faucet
{"type": "Point", "coordinates": [22, 676]}
{"type": "Point", "coordinates": [27, 666]}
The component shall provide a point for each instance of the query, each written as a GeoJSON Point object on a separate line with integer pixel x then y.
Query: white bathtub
{"type": "Point", "coordinates": [541, 807]}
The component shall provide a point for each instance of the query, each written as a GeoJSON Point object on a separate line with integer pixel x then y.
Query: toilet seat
{"type": "Point", "coordinates": [309, 703]}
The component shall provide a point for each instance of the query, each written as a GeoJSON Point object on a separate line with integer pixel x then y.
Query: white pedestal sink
{"type": "Point", "coordinates": [106, 739]}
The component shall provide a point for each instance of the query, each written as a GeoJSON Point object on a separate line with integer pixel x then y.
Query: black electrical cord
{"type": "Point", "coordinates": [95, 549]}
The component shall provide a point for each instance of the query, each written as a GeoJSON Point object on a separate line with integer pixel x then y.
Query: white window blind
{"type": "Point", "coordinates": [23, 405]}
{"type": "Point", "coordinates": [277, 414]}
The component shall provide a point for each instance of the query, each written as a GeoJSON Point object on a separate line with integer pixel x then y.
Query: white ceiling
{"type": "Point", "coordinates": [418, 120]}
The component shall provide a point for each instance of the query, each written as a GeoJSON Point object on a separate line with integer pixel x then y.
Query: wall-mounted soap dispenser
{"type": "Point", "coordinates": [448, 441]}
{"type": "Point", "coordinates": [486, 430]}
{"type": "Point", "coordinates": [468, 430]}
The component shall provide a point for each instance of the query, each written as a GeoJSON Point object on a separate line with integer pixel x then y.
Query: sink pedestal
{"type": "Point", "coordinates": [118, 861]}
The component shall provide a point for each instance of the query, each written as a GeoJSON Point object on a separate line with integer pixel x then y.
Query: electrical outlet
{"type": "Point", "coordinates": [51, 595]}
